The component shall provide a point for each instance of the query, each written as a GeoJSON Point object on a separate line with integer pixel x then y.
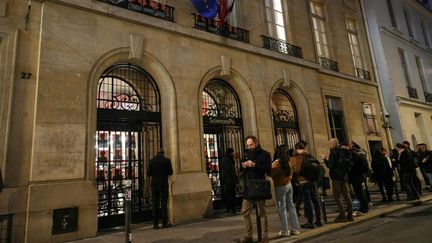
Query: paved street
{"type": "Point", "coordinates": [227, 228]}
{"type": "Point", "coordinates": [410, 225]}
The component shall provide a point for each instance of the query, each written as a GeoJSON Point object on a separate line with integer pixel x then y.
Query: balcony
{"type": "Point", "coordinates": [213, 26]}
{"type": "Point", "coordinates": [363, 74]}
{"type": "Point", "coordinates": [329, 64]}
{"type": "Point", "coordinates": [147, 7]}
{"type": "Point", "coordinates": [281, 46]}
{"type": "Point", "coordinates": [428, 97]}
{"type": "Point", "coordinates": [412, 93]}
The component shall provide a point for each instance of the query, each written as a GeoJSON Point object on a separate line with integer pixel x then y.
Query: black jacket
{"type": "Point", "coordinates": [228, 170]}
{"type": "Point", "coordinates": [381, 167]}
{"type": "Point", "coordinates": [159, 170]}
{"type": "Point", "coordinates": [339, 164]}
{"type": "Point", "coordinates": [262, 160]}
{"type": "Point", "coordinates": [406, 163]}
{"type": "Point", "coordinates": [428, 156]}
{"type": "Point", "coordinates": [360, 166]}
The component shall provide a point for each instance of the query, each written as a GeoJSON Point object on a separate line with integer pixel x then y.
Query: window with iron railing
{"type": "Point", "coordinates": [370, 119]}
{"type": "Point", "coordinates": [276, 19]}
{"type": "Point", "coordinates": [421, 73]}
{"type": "Point", "coordinates": [408, 22]}
{"type": "Point", "coordinates": [319, 28]}
{"type": "Point", "coordinates": [428, 97]}
{"type": "Point", "coordinates": [412, 93]}
{"type": "Point", "coordinates": [391, 13]}
{"type": "Point", "coordinates": [425, 34]}
{"type": "Point", "coordinates": [404, 66]}
{"type": "Point", "coordinates": [336, 118]}
{"type": "Point", "coordinates": [355, 49]}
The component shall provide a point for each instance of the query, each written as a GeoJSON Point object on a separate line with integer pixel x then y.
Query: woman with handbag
{"type": "Point", "coordinates": [281, 174]}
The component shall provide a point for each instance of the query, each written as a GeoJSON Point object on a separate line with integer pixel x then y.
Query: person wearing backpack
{"type": "Point", "coordinates": [281, 173]}
{"type": "Point", "coordinates": [308, 170]}
{"type": "Point", "coordinates": [357, 177]}
{"type": "Point", "coordinates": [339, 163]}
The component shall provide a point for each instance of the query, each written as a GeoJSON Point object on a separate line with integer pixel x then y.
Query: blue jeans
{"type": "Point", "coordinates": [284, 198]}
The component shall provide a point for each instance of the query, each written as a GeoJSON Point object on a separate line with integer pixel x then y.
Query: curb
{"type": "Point", "coordinates": [333, 227]}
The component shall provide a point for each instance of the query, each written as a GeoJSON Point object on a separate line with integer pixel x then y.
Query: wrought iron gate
{"type": "Point", "coordinates": [222, 129]}
{"type": "Point", "coordinates": [285, 120]}
{"type": "Point", "coordinates": [128, 136]}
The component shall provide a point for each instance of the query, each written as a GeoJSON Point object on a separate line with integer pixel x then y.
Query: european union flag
{"type": "Point", "coordinates": [206, 8]}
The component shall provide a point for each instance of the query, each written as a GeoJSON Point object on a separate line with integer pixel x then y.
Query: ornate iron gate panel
{"type": "Point", "coordinates": [285, 119]}
{"type": "Point", "coordinates": [6, 228]}
{"type": "Point", "coordinates": [128, 136]}
{"type": "Point", "coordinates": [222, 129]}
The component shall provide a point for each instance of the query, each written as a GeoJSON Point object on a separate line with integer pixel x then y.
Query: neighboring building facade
{"type": "Point", "coordinates": [90, 90]}
{"type": "Point", "coordinates": [401, 37]}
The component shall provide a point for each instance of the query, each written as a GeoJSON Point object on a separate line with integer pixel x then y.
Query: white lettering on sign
{"type": "Point", "coordinates": [223, 121]}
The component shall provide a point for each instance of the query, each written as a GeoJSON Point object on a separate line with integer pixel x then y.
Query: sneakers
{"type": "Point", "coordinates": [284, 233]}
{"type": "Point", "coordinates": [295, 232]}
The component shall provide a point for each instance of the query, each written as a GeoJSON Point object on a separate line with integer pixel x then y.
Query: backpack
{"type": "Point", "coordinates": [345, 162]}
{"type": "Point", "coordinates": [311, 169]}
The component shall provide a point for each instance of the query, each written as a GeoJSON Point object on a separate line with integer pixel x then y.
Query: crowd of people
{"type": "Point", "coordinates": [298, 177]}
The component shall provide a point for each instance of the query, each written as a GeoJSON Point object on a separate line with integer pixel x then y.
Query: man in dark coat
{"type": "Point", "coordinates": [357, 176]}
{"type": "Point", "coordinates": [159, 170]}
{"type": "Point", "coordinates": [230, 180]}
{"type": "Point", "coordinates": [414, 156]}
{"type": "Point", "coordinates": [423, 153]}
{"type": "Point", "coordinates": [408, 170]}
{"type": "Point", "coordinates": [257, 165]}
{"type": "Point", "coordinates": [339, 163]}
{"type": "Point", "coordinates": [382, 167]}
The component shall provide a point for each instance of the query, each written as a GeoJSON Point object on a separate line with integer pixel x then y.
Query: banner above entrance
{"type": "Point", "coordinates": [221, 121]}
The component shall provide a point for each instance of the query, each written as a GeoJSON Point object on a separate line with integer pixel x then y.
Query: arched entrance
{"type": "Point", "coordinates": [285, 119]}
{"type": "Point", "coordinates": [128, 135]}
{"type": "Point", "coordinates": [223, 128]}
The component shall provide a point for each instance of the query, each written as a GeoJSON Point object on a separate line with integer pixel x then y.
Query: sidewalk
{"type": "Point", "coordinates": [227, 228]}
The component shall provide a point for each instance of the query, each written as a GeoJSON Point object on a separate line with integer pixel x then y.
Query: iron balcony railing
{"type": "Point", "coordinates": [282, 46]}
{"type": "Point", "coordinates": [428, 97]}
{"type": "Point", "coordinates": [329, 64]}
{"type": "Point", "coordinates": [148, 7]}
{"type": "Point", "coordinates": [412, 93]}
{"type": "Point", "coordinates": [215, 27]}
{"type": "Point", "coordinates": [363, 74]}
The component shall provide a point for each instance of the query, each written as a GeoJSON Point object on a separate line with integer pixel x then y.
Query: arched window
{"type": "Point", "coordinates": [128, 136]}
{"type": "Point", "coordinates": [223, 128]}
{"type": "Point", "coordinates": [285, 121]}
{"type": "Point", "coordinates": [127, 87]}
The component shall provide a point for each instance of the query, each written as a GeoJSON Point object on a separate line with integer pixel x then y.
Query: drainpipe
{"type": "Point", "coordinates": [384, 113]}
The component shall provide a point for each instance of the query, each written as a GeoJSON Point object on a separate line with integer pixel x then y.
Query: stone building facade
{"type": "Point", "coordinates": [401, 36]}
{"type": "Point", "coordinates": [90, 89]}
